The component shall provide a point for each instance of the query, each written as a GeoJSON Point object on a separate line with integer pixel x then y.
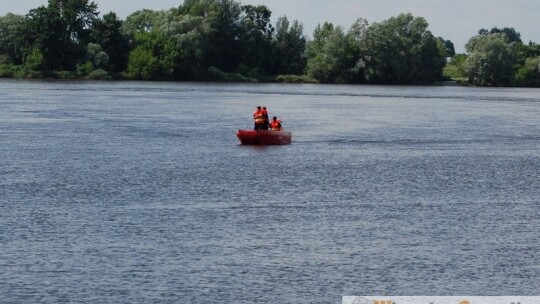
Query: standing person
{"type": "Point", "coordinates": [275, 124]}
{"type": "Point", "coordinates": [258, 117]}
{"type": "Point", "coordinates": [266, 120]}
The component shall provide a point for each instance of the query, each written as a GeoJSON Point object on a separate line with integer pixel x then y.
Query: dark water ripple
{"type": "Point", "coordinates": [134, 192]}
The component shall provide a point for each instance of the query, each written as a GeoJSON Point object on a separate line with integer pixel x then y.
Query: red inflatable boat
{"type": "Point", "coordinates": [251, 137]}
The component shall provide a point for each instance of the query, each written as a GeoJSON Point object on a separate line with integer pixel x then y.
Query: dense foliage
{"type": "Point", "coordinates": [497, 57]}
{"type": "Point", "coordinates": [224, 40]}
{"type": "Point", "coordinates": [402, 50]}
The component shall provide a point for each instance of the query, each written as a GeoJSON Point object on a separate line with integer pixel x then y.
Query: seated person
{"type": "Point", "coordinates": [275, 124]}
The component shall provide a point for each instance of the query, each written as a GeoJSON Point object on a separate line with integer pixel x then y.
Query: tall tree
{"type": "Point", "coordinates": [528, 75]}
{"type": "Point", "coordinates": [446, 47]}
{"type": "Point", "coordinates": [491, 60]}
{"type": "Point", "coordinates": [402, 50]}
{"type": "Point", "coordinates": [289, 46]}
{"type": "Point", "coordinates": [145, 20]}
{"type": "Point", "coordinates": [61, 30]}
{"type": "Point", "coordinates": [78, 16]}
{"type": "Point", "coordinates": [193, 37]}
{"type": "Point", "coordinates": [47, 33]}
{"type": "Point", "coordinates": [107, 33]}
{"type": "Point", "coordinates": [329, 54]}
{"type": "Point", "coordinates": [255, 38]}
{"type": "Point", "coordinates": [511, 34]}
{"type": "Point", "coordinates": [154, 57]}
{"type": "Point", "coordinates": [224, 18]}
{"type": "Point", "coordinates": [13, 29]}
{"type": "Point", "coordinates": [258, 17]}
{"type": "Point", "coordinates": [356, 36]}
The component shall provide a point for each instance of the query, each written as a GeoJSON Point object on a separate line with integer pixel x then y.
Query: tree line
{"type": "Point", "coordinates": [223, 40]}
{"type": "Point", "coordinates": [497, 57]}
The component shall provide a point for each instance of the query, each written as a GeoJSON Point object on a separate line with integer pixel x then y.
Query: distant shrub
{"type": "Point", "coordinates": [84, 69]}
{"type": "Point", "coordinates": [296, 79]}
{"type": "Point", "coordinates": [455, 69]}
{"type": "Point", "coordinates": [218, 75]}
{"type": "Point", "coordinates": [215, 73]}
{"type": "Point", "coordinates": [25, 73]}
{"type": "Point", "coordinates": [4, 60]}
{"type": "Point", "coordinates": [66, 75]}
{"type": "Point", "coordinates": [142, 64]}
{"type": "Point", "coordinates": [99, 74]}
{"type": "Point", "coordinates": [35, 61]}
{"type": "Point", "coordinates": [529, 74]}
{"type": "Point", "coordinates": [8, 70]}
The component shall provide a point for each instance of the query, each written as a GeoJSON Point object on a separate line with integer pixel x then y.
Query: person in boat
{"type": "Point", "coordinates": [258, 117]}
{"type": "Point", "coordinates": [275, 124]}
{"type": "Point", "coordinates": [266, 119]}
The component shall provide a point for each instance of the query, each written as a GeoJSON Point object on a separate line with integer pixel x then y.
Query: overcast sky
{"type": "Point", "coordinates": [454, 20]}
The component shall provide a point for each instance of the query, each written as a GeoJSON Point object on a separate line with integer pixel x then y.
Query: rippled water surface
{"type": "Point", "coordinates": [134, 192]}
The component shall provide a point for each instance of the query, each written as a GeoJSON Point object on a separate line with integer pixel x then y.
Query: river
{"type": "Point", "coordinates": [139, 192]}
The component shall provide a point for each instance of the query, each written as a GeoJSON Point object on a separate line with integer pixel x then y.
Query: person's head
{"type": "Point", "coordinates": [274, 118]}
{"type": "Point", "coordinates": [264, 108]}
{"type": "Point", "coordinates": [259, 107]}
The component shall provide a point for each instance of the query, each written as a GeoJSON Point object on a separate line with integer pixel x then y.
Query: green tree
{"type": "Point", "coordinates": [491, 61]}
{"type": "Point", "coordinates": [154, 57]}
{"type": "Point", "coordinates": [60, 30]}
{"type": "Point", "coordinates": [446, 47]}
{"type": "Point", "coordinates": [258, 17]}
{"type": "Point", "coordinates": [356, 36]}
{"type": "Point", "coordinates": [329, 54]}
{"type": "Point", "coordinates": [192, 37]}
{"type": "Point", "coordinates": [525, 51]}
{"type": "Point", "coordinates": [78, 16]}
{"type": "Point", "coordinates": [449, 47]}
{"type": "Point", "coordinates": [98, 58]}
{"type": "Point", "coordinates": [289, 45]}
{"type": "Point", "coordinates": [402, 50]}
{"type": "Point", "coordinates": [255, 38]}
{"type": "Point", "coordinates": [455, 68]}
{"type": "Point", "coordinates": [224, 19]}
{"type": "Point", "coordinates": [13, 29]}
{"type": "Point", "coordinates": [511, 34]}
{"type": "Point", "coordinates": [529, 74]}
{"type": "Point", "coordinates": [143, 21]}
{"type": "Point", "coordinates": [35, 60]}
{"type": "Point", "coordinates": [107, 33]}
{"type": "Point", "coordinates": [47, 33]}
{"type": "Point", "coordinates": [143, 64]}
{"type": "Point", "coordinates": [530, 50]}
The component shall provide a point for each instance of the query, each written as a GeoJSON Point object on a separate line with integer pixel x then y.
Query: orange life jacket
{"type": "Point", "coordinates": [258, 116]}
{"type": "Point", "coordinates": [275, 125]}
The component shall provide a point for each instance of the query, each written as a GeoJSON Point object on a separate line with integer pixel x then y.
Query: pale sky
{"type": "Point", "coordinates": [454, 20]}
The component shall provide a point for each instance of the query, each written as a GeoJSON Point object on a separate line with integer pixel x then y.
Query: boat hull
{"type": "Point", "coordinates": [251, 137]}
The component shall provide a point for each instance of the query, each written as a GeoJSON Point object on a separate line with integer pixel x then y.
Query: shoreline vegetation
{"type": "Point", "coordinates": [226, 41]}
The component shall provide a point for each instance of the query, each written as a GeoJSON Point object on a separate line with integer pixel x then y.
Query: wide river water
{"type": "Point", "coordinates": [139, 192]}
